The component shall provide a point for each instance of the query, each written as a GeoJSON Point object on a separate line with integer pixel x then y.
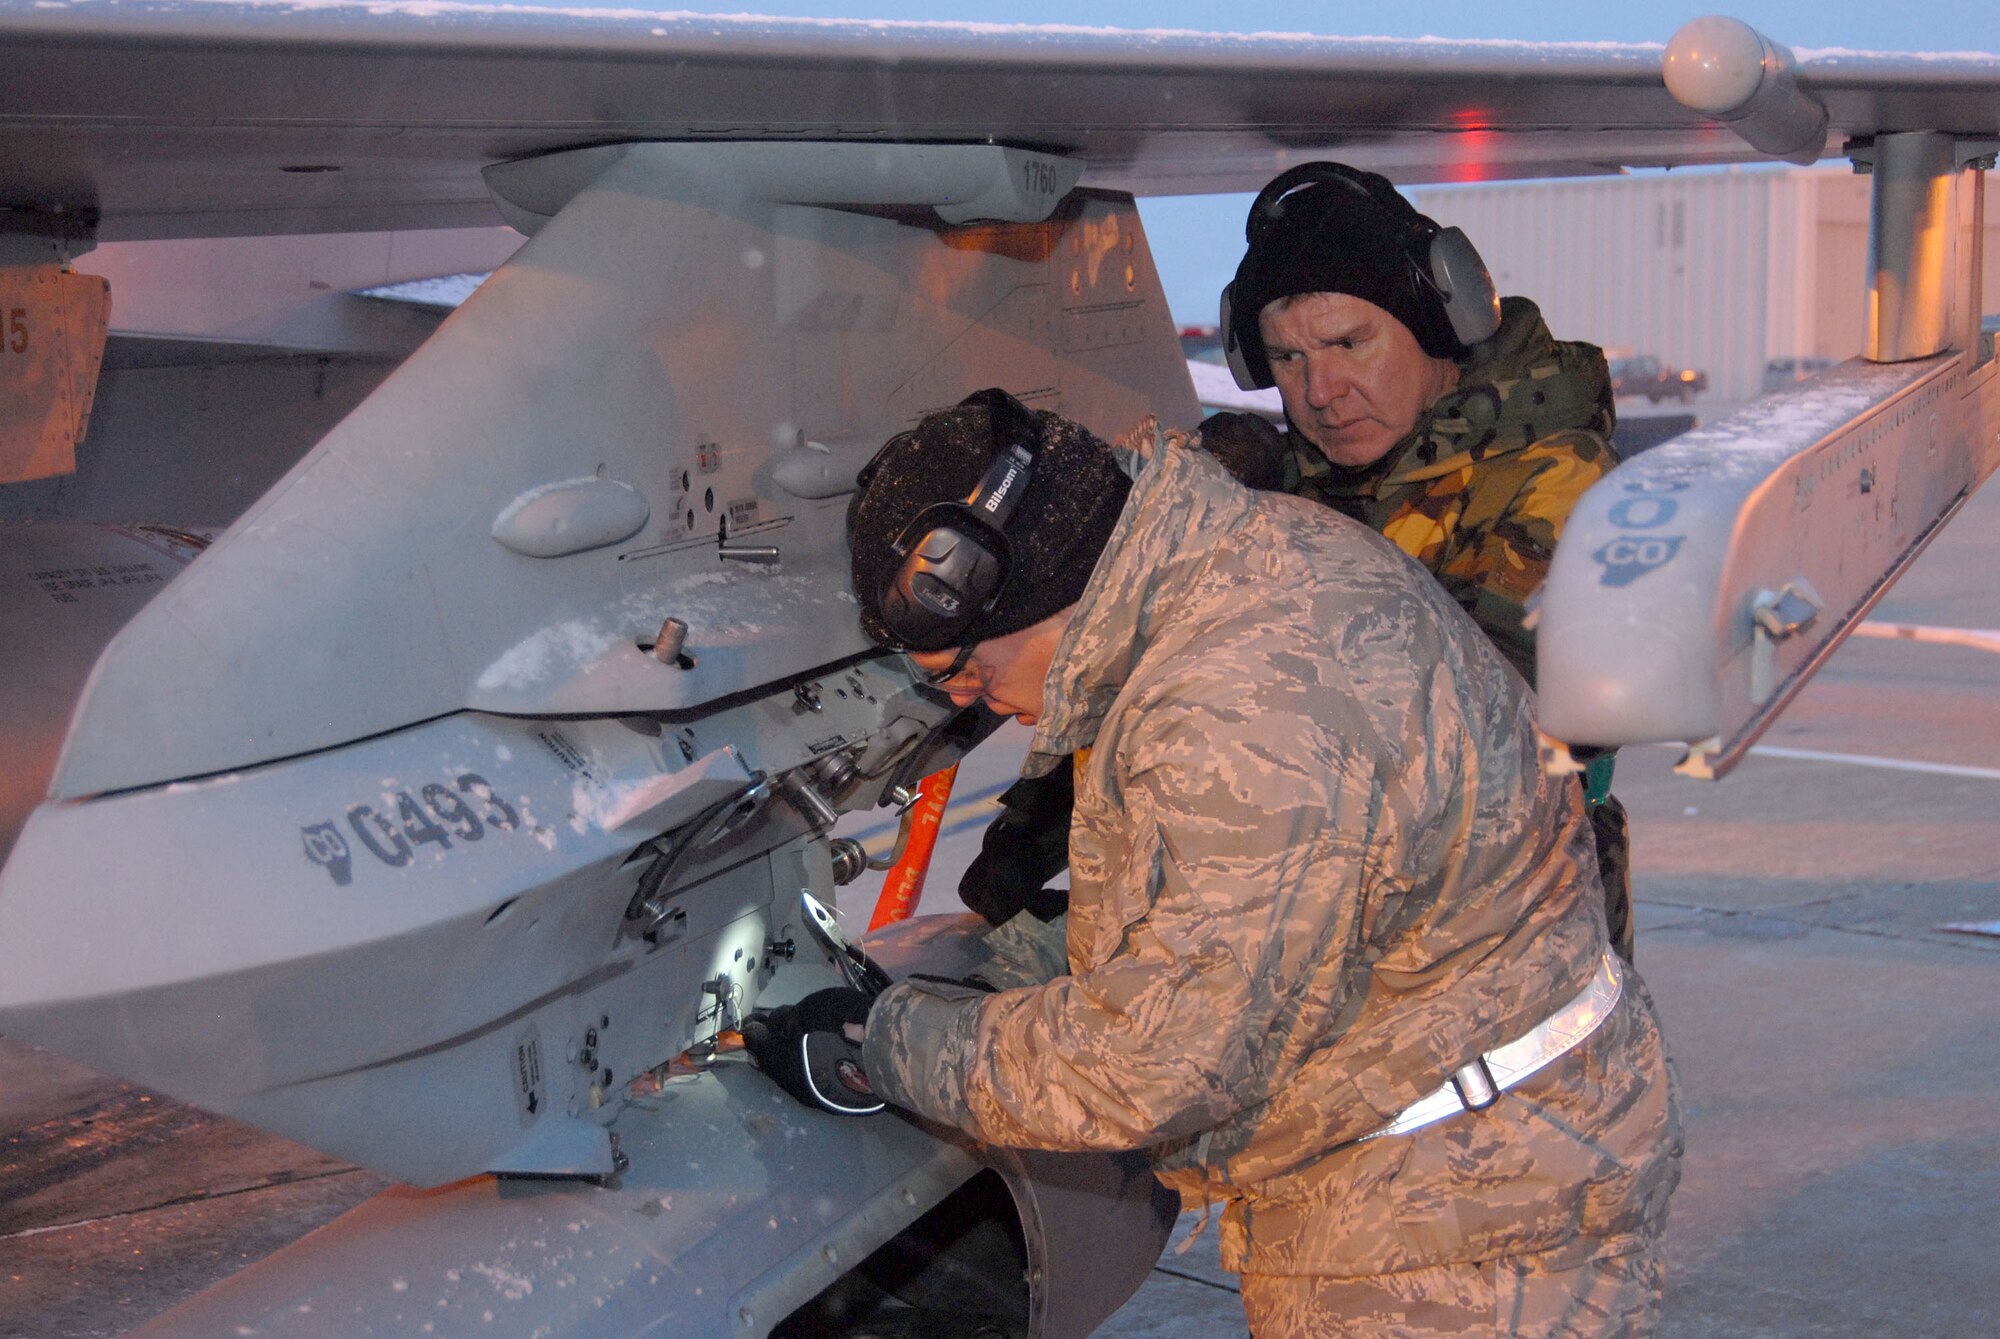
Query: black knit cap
{"type": "Point", "coordinates": [1330, 228]}
{"type": "Point", "coordinates": [1074, 496]}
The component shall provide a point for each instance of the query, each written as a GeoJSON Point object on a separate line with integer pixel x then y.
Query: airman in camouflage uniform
{"type": "Point", "coordinates": [1475, 483]}
{"type": "Point", "coordinates": [1316, 870]}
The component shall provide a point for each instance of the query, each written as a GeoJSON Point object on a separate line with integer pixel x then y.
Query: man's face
{"type": "Point", "coordinates": [1006, 673]}
{"type": "Point", "coordinates": [1353, 378]}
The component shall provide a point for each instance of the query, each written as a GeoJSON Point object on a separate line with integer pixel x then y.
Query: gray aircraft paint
{"type": "Point", "coordinates": [1698, 586]}
{"type": "Point", "coordinates": [374, 803]}
{"type": "Point", "coordinates": [126, 120]}
{"type": "Point", "coordinates": [615, 342]}
{"type": "Point", "coordinates": [65, 590]}
{"type": "Point", "coordinates": [738, 1206]}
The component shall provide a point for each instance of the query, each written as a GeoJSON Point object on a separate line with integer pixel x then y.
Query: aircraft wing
{"type": "Point", "coordinates": [194, 118]}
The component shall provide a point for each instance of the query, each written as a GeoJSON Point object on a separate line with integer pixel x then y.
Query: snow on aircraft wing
{"type": "Point", "coordinates": [196, 118]}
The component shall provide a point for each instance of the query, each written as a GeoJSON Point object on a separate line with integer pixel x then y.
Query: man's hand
{"type": "Point", "coordinates": [1025, 847]}
{"type": "Point", "coordinates": [807, 1051]}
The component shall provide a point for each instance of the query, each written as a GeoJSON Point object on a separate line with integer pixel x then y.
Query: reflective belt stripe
{"type": "Point", "coordinates": [1548, 1041]}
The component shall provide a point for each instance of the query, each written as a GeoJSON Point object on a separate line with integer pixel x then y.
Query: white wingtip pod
{"type": "Point", "coordinates": [1727, 70]}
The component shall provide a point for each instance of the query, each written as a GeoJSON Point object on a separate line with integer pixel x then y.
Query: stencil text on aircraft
{"type": "Point", "coordinates": [403, 823]}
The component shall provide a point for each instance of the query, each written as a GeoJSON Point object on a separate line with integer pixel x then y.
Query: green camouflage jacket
{"type": "Point", "coordinates": [1316, 867]}
{"type": "Point", "coordinates": [1479, 490]}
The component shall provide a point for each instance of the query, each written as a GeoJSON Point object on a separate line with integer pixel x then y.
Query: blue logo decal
{"type": "Point", "coordinates": [1642, 512]}
{"type": "Point", "coordinates": [1626, 560]}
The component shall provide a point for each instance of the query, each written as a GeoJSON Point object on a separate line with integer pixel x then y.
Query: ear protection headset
{"type": "Point", "coordinates": [1442, 261]}
{"type": "Point", "coordinates": [956, 558]}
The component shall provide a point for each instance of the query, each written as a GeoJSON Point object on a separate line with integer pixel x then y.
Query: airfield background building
{"type": "Point", "coordinates": [1723, 271]}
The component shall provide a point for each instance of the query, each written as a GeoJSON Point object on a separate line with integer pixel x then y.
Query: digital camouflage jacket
{"type": "Point", "coordinates": [1316, 868]}
{"type": "Point", "coordinates": [1480, 488]}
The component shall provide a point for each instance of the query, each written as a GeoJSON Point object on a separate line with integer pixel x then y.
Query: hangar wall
{"type": "Point", "coordinates": [1716, 270]}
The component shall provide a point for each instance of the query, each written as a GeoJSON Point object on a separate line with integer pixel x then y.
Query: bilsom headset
{"type": "Point", "coordinates": [1442, 260]}
{"type": "Point", "coordinates": [956, 557]}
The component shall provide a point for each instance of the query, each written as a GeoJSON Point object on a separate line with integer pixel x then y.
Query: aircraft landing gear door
{"type": "Point", "coordinates": [52, 327]}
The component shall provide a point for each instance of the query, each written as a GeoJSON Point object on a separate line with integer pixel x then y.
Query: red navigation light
{"type": "Point", "coordinates": [1472, 146]}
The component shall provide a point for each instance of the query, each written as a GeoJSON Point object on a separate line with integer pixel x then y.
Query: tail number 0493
{"type": "Point", "coordinates": [404, 823]}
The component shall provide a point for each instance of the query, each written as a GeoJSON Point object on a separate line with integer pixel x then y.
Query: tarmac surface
{"type": "Point", "coordinates": [1837, 1047]}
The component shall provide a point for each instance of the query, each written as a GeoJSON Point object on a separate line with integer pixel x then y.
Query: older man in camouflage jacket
{"type": "Point", "coordinates": [1466, 447]}
{"type": "Point", "coordinates": [1324, 903]}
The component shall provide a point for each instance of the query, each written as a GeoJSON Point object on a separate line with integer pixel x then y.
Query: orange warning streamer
{"type": "Point", "coordinates": [905, 884]}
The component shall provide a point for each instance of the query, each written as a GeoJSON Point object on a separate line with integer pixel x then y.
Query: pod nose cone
{"type": "Point", "coordinates": [1714, 65]}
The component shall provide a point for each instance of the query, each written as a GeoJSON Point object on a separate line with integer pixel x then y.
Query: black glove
{"type": "Point", "coordinates": [805, 1050]}
{"type": "Point", "coordinates": [1249, 447]}
{"type": "Point", "coordinates": [1025, 847]}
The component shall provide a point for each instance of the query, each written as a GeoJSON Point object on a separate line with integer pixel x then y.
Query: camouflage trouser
{"type": "Point", "coordinates": [1515, 1297]}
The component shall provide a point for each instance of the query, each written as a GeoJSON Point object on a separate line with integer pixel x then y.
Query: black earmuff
{"type": "Point", "coordinates": [1232, 348]}
{"type": "Point", "coordinates": [1471, 303]}
{"type": "Point", "coordinates": [956, 557]}
{"type": "Point", "coordinates": [1442, 260]}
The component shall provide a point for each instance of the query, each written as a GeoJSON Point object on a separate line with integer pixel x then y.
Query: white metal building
{"type": "Point", "coordinates": [1718, 270]}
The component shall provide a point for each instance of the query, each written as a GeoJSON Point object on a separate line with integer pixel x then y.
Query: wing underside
{"type": "Point", "coordinates": [208, 119]}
